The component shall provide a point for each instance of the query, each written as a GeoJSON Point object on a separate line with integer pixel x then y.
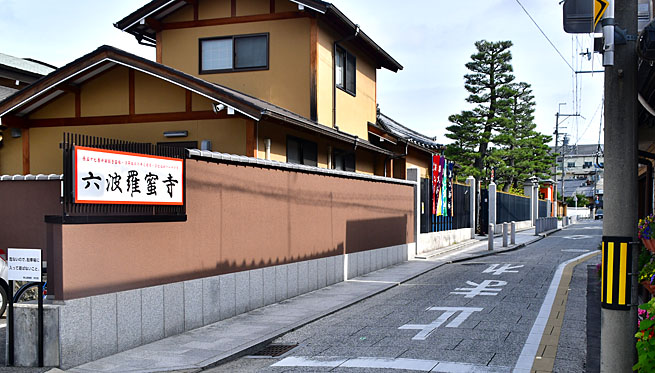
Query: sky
{"type": "Point", "coordinates": [433, 40]}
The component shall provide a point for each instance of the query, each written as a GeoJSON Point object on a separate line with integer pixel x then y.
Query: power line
{"type": "Point", "coordinates": [546, 36]}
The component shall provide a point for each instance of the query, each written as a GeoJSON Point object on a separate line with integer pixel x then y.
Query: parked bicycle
{"type": "Point", "coordinates": [29, 292]}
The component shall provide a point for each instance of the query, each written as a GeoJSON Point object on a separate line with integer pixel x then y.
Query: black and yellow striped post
{"type": "Point", "coordinates": [616, 285]}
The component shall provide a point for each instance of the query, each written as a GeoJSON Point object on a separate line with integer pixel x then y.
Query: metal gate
{"type": "Point", "coordinates": [483, 213]}
{"type": "Point", "coordinates": [426, 205]}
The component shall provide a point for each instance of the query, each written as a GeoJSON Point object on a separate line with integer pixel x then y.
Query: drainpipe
{"type": "Point", "coordinates": [334, 73]}
{"type": "Point", "coordinates": [267, 145]}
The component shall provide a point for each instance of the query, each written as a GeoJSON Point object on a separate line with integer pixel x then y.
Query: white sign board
{"type": "Point", "coordinates": [24, 265]}
{"type": "Point", "coordinates": [113, 177]}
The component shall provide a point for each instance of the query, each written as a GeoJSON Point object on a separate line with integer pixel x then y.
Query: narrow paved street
{"type": "Point", "coordinates": [477, 315]}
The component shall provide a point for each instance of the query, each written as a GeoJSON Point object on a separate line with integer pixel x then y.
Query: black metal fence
{"type": "Point", "coordinates": [461, 214]}
{"type": "Point", "coordinates": [511, 207]}
{"type": "Point", "coordinates": [543, 208]}
{"type": "Point", "coordinates": [72, 209]}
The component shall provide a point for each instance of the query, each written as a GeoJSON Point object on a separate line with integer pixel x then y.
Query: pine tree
{"type": "Point", "coordinates": [487, 84]}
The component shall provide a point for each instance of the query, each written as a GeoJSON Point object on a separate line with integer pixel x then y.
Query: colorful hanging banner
{"type": "Point", "coordinates": [449, 211]}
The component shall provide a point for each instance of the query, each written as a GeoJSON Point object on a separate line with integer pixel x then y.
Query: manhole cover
{"type": "Point", "coordinates": [275, 350]}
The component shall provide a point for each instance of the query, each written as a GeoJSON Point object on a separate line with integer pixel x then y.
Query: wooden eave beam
{"type": "Point", "coordinates": [233, 20]}
{"type": "Point", "coordinates": [154, 24]}
{"type": "Point", "coordinates": [12, 121]}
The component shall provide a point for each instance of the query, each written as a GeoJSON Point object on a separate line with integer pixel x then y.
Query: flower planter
{"type": "Point", "coordinates": [647, 285]}
{"type": "Point", "coordinates": [649, 243]}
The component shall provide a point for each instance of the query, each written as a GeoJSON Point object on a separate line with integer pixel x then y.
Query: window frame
{"type": "Point", "coordinates": [234, 54]}
{"type": "Point", "coordinates": [302, 144]}
{"type": "Point", "coordinates": [336, 152]}
{"type": "Point", "coordinates": [344, 85]}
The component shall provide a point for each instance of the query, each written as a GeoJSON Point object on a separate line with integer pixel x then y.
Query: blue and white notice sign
{"type": "Point", "coordinates": [24, 265]}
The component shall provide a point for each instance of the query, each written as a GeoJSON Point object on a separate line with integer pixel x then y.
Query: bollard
{"type": "Point", "coordinates": [513, 235]}
{"type": "Point", "coordinates": [505, 226]}
{"type": "Point", "coordinates": [491, 237]}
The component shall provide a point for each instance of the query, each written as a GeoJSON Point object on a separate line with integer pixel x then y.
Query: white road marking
{"type": "Point", "coordinates": [486, 287]}
{"type": "Point", "coordinates": [577, 237]}
{"type": "Point", "coordinates": [527, 357]}
{"type": "Point", "coordinates": [575, 251]}
{"type": "Point", "coordinates": [506, 268]}
{"type": "Point", "coordinates": [388, 363]}
{"type": "Point", "coordinates": [427, 329]}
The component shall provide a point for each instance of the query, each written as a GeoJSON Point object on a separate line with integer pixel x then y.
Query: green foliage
{"type": "Point", "coordinates": [644, 257]}
{"type": "Point", "coordinates": [583, 201]}
{"type": "Point", "coordinates": [645, 340]}
{"type": "Point", "coordinates": [647, 271]}
{"type": "Point", "coordinates": [499, 132]}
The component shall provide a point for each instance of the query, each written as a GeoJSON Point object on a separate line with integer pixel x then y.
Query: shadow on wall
{"type": "Point", "coordinates": [116, 283]}
{"type": "Point", "coordinates": [362, 235]}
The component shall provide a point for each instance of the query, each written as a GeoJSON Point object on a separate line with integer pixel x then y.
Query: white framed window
{"type": "Point", "coordinates": [234, 53]}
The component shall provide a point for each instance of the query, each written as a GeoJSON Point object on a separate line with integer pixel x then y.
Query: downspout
{"type": "Point", "coordinates": [334, 74]}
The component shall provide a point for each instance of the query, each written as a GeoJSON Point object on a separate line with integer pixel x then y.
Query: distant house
{"type": "Point", "coordinates": [289, 81]}
{"type": "Point", "coordinates": [17, 73]}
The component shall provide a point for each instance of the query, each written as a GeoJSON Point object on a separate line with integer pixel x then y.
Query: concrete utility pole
{"type": "Point", "coordinates": [618, 327]}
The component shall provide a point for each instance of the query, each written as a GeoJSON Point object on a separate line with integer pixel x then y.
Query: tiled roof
{"type": "Point", "coordinates": [398, 130]}
{"type": "Point", "coordinates": [24, 65]}
{"type": "Point", "coordinates": [21, 102]}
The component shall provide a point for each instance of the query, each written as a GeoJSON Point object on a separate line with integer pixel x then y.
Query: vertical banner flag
{"type": "Point", "coordinates": [437, 195]}
{"type": "Point", "coordinates": [442, 187]}
{"type": "Point", "coordinates": [435, 177]}
{"type": "Point", "coordinates": [450, 188]}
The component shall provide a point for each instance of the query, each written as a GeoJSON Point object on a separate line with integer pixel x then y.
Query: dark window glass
{"type": "Point", "coordinates": [350, 73]}
{"type": "Point", "coordinates": [309, 153]}
{"type": "Point", "coordinates": [301, 151]}
{"type": "Point", "coordinates": [251, 51]}
{"type": "Point", "coordinates": [344, 161]}
{"type": "Point", "coordinates": [234, 53]}
{"type": "Point", "coordinates": [345, 70]}
{"type": "Point", "coordinates": [293, 151]}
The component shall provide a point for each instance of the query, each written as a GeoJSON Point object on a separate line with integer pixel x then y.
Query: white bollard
{"type": "Point", "coordinates": [491, 237]}
{"type": "Point", "coordinates": [513, 235]}
{"type": "Point", "coordinates": [505, 226]}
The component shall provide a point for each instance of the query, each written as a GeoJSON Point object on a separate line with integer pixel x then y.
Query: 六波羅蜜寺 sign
{"type": "Point", "coordinates": [114, 177]}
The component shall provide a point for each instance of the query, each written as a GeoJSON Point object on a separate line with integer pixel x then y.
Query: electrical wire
{"type": "Point", "coordinates": [546, 36]}
{"type": "Point", "coordinates": [590, 122]}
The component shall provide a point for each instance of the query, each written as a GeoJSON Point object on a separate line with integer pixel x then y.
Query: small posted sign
{"type": "Point", "coordinates": [24, 265]}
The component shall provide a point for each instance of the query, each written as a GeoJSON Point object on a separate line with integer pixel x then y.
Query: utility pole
{"type": "Point", "coordinates": [618, 326]}
{"type": "Point", "coordinates": [563, 148]}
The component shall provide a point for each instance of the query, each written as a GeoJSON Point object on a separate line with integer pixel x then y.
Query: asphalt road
{"type": "Point", "coordinates": [476, 315]}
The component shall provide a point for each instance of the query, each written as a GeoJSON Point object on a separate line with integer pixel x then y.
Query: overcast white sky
{"type": "Point", "coordinates": [431, 39]}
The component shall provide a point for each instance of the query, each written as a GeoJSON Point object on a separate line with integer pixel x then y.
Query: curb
{"type": "Point", "coordinates": [265, 340]}
{"type": "Point", "coordinates": [539, 237]}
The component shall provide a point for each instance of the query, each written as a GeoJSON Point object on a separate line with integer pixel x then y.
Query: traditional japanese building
{"type": "Point", "coordinates": [289, 81]}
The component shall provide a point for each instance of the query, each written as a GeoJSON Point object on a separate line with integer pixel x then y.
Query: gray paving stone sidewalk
{"type": "Point", "coordinates": [245, 333]}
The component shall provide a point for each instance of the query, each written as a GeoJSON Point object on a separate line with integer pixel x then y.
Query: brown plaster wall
{"type": "Point", "coordinates": [24, 206]}
{"type": "Point", "coordinates": [239, 218]}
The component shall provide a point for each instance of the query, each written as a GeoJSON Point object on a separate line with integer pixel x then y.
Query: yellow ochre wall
{"type": "Point", "coordinates": [419, 159]}
{"type": "Point", "coordinates": [226, 135]}
{"type": "Point", "coordinates": [353, 113]}
{"type": "Point", "coordinates": [285, 83]}
{"type": "Point", "coordinates": [152, 95]}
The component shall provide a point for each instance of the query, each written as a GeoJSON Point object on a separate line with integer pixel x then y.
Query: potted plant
{"type": "Point", "coordinates": [646, 232]}
{"type": "Point", "coordinates": [645, 340]}
{"type": "Point", "coordinates": [647, 275]}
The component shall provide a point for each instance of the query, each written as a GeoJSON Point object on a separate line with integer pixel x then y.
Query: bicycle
{"type": "Point", "coordinates": [28, 292]}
